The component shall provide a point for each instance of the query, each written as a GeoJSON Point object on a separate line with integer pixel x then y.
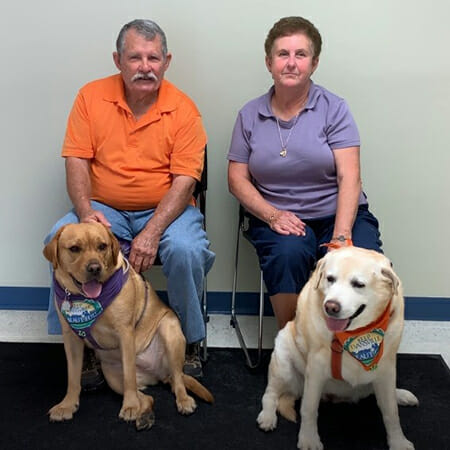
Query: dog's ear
{"type": "Point", "coordinates": [51, 249]}
{"type": "Point", "coordinates": [393, 279]}
{"type": "Point", "coordinates": [115, 246]}
{"type": "Point", "coordinates": [318, 272]}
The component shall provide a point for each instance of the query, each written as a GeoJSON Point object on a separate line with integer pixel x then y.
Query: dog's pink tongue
{"type": "Point", "coordinates": [337, 324]}
{"type": "Point", "coordinates": [92, 289]}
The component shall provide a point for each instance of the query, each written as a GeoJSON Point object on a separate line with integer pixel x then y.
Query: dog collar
{"type": "Point", "coordinates": [334, 245]}
{"type": "Point", "coordinates": [365, 344]}
{"type": "Point", "coordinates": [81, 312]}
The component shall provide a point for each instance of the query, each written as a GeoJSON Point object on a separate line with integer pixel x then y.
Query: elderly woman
{"type": "Point", "coordinates": [294, 166]}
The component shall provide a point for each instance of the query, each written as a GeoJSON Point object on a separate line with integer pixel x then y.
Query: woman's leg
{"type": "Point", "coordinates": [286, 262]}
{"type": "Point", "coordinates": [365, 231]}
{"type": "Point", "coordinates": [284, 306]}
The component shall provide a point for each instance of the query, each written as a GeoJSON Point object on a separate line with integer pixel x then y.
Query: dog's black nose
{"type": "Point", "coordinates": [332, 307]}
{"type": "Point", "coordinates": [93, 268]}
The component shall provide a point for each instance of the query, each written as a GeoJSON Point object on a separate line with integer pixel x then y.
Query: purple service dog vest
{"type": "Point", "coordinates": [81, 312]}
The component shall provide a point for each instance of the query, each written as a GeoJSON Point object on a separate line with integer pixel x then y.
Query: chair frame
{"type": "Point", "coordinates": [200, 196]}
{"type": "Point", "coordinates": [252, 364]}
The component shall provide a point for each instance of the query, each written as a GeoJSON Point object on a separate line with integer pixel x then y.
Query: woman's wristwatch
{"type": "Point", "coordinates": [342, 239]}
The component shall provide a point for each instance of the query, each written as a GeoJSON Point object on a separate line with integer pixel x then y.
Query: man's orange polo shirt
{"type": "Point", "coordinates": [132, 162]}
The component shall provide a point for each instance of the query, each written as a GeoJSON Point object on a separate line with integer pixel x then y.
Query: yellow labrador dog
{"type": "Point", "coordinates": [341, 345]}
{"type": "Point", "coordinates": [103, 303]}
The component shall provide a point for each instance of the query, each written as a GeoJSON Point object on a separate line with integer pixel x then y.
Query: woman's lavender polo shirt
{"type": "Point", "coordinates": [305, 181]}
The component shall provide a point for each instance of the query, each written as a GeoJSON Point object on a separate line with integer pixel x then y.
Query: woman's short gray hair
{"type": "Point", "coordinates": [146, 28]}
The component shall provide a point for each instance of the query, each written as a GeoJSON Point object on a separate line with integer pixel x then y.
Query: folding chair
{"type": "Point", "coordinates": [200, 199]}
{"type": "Point", "coordinates": [243, 228]}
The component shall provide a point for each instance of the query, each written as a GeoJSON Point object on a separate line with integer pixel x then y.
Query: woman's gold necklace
{"type": "Point", "coordinates": [283, 151]}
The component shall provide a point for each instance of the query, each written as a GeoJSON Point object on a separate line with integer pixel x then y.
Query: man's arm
{"type": "Point", "coordinates": [79, 189]}
{"type": "Point", "coordinates": [145, 245]}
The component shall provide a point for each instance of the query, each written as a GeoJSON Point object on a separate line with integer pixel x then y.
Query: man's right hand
{"type": "Point", "coordinates": [94, 216]}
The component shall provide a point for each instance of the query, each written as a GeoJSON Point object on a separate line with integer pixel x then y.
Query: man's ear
{"type": "Point", "coordinates": [167, 61]}
{"type": "Point", "coordinates": [51, 249]}
{"type": "Point", "coordinates": [116, 59]}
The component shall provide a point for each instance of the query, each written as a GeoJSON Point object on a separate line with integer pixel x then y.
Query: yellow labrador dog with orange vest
{"type": "Point", "coordinates": [103, 303]}
{"type": "Point", "coordinates": [342, 345]}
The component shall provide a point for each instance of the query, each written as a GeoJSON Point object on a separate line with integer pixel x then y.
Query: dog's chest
{"type": "Point", "coordinates": [354, 374]}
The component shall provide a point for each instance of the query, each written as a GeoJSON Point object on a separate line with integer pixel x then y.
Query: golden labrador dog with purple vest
{"type": "Point", "coordinates": [104, 304]}
{"type": "Point", "coordinates": [341, 345]}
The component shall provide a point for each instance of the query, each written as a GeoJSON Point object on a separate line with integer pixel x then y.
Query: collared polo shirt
{"type": "Point", "coordinates": [305, 181]}
{"type": "Point", "coordinates": [133, 161]}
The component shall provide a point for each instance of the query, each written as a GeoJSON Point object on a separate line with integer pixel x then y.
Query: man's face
{"type": "Point", "coordinates": [141, 64]}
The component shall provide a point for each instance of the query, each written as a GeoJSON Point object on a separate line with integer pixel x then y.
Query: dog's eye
{"type": "Point", "coordinates": [102, 247]}
{"type": "Point", "coordinates": [357, 284]}
{"type": "Point", "coordinates": [75, 249]}
{"type": "Point", "coordinates": [331, 279]}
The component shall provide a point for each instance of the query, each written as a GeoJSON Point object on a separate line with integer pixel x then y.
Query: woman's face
{"type": "Point", "coordinates": [291, 62]}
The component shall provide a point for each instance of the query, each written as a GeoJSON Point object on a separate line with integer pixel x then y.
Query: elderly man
{"type": "Point", "coordinates": [134, 149]}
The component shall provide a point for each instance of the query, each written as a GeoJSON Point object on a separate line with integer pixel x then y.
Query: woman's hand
{"type": "Point", "coordinates": [285, 222]}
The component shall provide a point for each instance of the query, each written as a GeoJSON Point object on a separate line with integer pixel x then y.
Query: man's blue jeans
{"type": "Point", "coordinates": [184, 253]}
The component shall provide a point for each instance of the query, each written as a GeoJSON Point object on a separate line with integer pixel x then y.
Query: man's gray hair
{"type": "Point", "coordinates": [146, 28]}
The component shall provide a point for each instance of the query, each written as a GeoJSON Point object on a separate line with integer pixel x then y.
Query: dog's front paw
{"type": "Point", "coordinates": [129, 411]}
{"type": "Point", "coordinates": [401, 444]}
{"type": "Point", "coordinates": [267, 421]}
{"type": "Point", "coordinates": [406, 398]}
{"type": "Point", "coordinates": [63, 411]}
{"type": "Point", "coordinates": [186, 405]}
{"type": "Point", "coordinates": [309, 441]}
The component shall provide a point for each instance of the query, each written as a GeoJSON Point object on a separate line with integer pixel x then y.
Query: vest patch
{"type": "Point", "coordinates": [81, 314]}
{"type": "Point", "coordinates": [366, 347]}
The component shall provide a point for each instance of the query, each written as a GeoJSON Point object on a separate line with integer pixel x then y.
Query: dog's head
{"type": "Point", "coordinates": [83, 256]}
{"type": "Point", "coordinates": [356, 286]}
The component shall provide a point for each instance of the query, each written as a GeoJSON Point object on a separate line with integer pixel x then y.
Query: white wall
{"type": "Point", "coordinates": [389, 59]}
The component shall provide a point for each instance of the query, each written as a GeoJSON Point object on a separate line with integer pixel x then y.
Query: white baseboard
{"type": "Point", "coordinates": [418, 336]}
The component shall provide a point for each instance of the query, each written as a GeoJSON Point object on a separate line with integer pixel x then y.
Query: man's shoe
{"type": "Point", "coordinates": [192, 363]}
{"type": "Point", "coordinates": [91, 374]}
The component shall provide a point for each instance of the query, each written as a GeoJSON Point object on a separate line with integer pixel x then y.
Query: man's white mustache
{"type": "Point", "coordinates": [144, 76]}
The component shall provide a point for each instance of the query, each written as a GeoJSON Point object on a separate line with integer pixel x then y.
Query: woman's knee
{"type": "Point", "coordinates": [366, 233]}
{"type": "Point", "coordinates": [293, 253]}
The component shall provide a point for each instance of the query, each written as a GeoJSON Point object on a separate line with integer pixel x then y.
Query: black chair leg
{"type": "Point", "coordinates": [234, 321]}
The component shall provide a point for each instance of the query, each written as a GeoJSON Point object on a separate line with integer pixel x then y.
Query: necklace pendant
{"type": "Point", "coordinates": [283, 153]}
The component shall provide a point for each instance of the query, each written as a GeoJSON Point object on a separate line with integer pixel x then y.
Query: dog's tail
{"type": "Point", "coordinates": [286, 407]}
{"type": "Point", "coordinates": [198, 389]}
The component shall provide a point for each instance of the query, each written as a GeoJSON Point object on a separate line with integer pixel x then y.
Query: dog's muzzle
{"type": "Point", "coordinates": [332, 310]}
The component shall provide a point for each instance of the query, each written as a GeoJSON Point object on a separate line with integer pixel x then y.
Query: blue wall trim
{"type": "Point", "coordinates": [36, 299]}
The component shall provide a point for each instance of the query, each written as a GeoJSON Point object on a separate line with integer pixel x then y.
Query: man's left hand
{"type": "Point", "coordinates": [144, 249]}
